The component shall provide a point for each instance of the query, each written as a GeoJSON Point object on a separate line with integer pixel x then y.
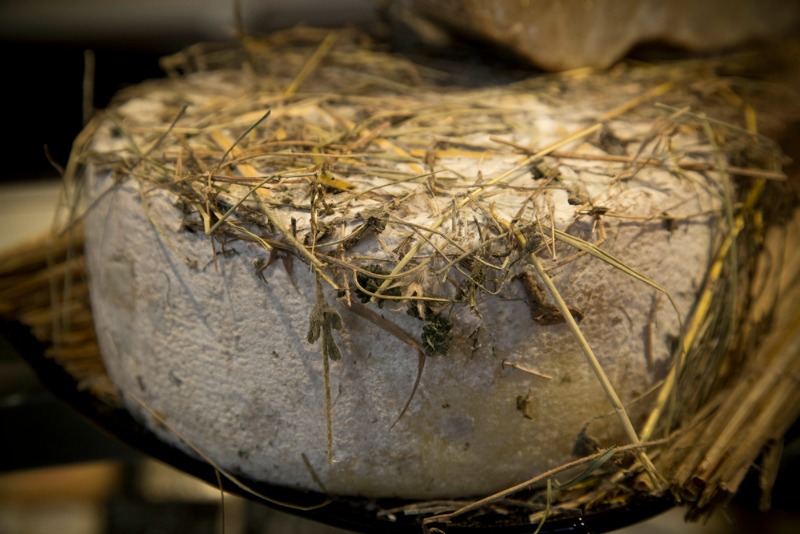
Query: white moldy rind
{"type": "Point", "coordinates": [219, 347]}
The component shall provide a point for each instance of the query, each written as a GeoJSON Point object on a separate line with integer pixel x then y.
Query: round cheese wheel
{"type": "Point", "coordinates": [235, 262]}
{"type": "Point", "coordinates": [569, 34]}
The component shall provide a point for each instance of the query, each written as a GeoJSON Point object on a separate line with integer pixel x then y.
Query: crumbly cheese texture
{"type": "Point", "coordinates": [210, 330]}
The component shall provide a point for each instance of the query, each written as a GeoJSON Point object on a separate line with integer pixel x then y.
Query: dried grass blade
{"type": "Point", "coordinates": [608, 388]}
{"type": "Point", "coordinates": [222, 139]}
{"type": "Point", "coordinates": [311, 64]}
{"type": "Point", "coordinates": [600, 254]}
{"type": "Point", "coordinates": [236, 206]}
{"type": "Point", "coordinates": [596, 464]}
{"type": "Point", "coordinates": [446, 518]}
{"type": "Point", "coordinates": [547, 508]}
{"type": "Point", "coordinates": [701, 312]}
{"type": "Point", "coordinates": [591, 358]}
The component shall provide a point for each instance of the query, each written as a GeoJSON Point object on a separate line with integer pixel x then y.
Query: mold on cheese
{"type": "Point", "coordinates": [418, 195]}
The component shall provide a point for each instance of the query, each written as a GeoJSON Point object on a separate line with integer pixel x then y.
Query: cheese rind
{"type": "Point", "coordinates": [213, 336]}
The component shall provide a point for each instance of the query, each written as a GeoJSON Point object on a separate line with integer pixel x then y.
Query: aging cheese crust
{"type": "Point", "coordinates": [211, 331]}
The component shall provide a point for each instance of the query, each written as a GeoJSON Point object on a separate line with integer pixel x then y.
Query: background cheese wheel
{"type": "Point", "coordinates": [568, 34]}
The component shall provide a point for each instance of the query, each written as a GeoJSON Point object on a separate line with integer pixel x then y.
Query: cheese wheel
{"type": "Point", "coordinates": [233, 259]}
{"type": "Point", "coordinates": [569, 34]}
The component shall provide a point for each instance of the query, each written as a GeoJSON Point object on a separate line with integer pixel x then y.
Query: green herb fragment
{"type": "Point", "coordinates": [436, 336]}
{"type": "Point", "coordinates": [371, 284]}
{"type": "Point", "coordinates": [324, 319]}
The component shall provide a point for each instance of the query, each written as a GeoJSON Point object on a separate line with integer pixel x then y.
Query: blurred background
{"type": "Point", "coordinates": [58, 473]}
{"type": "Point", "coordinates": [42, 44]}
